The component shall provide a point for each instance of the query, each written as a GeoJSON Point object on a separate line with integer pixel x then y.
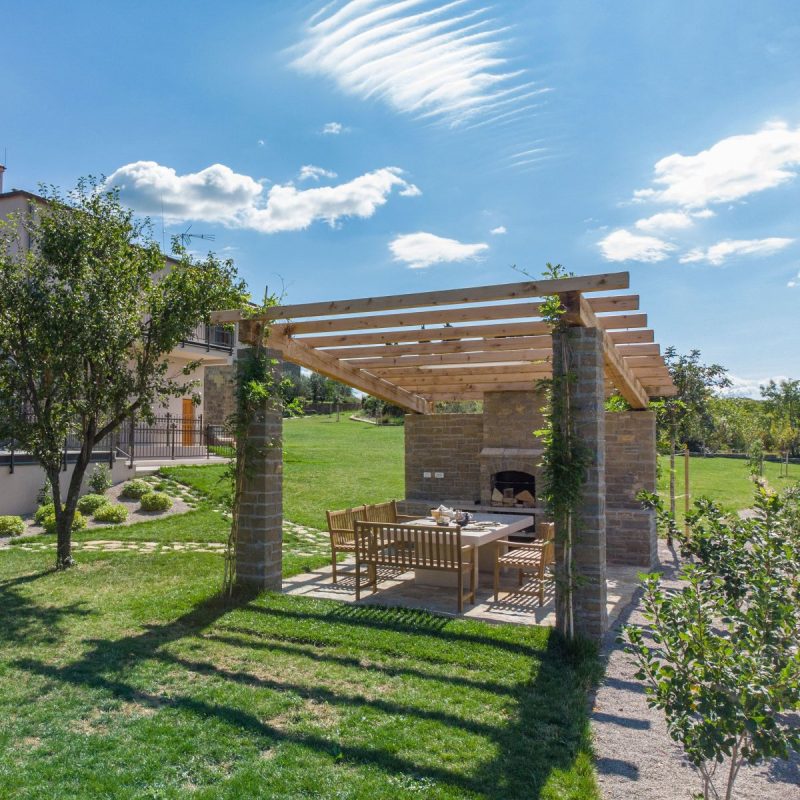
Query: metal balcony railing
{"type": "Point", "coordinates": [212, 337]}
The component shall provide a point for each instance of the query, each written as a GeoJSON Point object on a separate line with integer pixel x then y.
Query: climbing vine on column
{"type": "Point", "coordinates": [565, 457]}
{"type": "Point", "coordinates": [258, 390]}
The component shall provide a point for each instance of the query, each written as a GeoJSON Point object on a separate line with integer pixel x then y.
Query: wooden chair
{"type": "Point", "coordinates": [407, 547]}
{"type": "Point", "coordinates": [528, 558]}
{"type": "Point", "coordinates": [385, 512]}
{"type": "Point", "coordinates": [341, 527]}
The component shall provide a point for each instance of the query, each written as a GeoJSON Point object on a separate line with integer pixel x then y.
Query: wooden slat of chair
{"type": "Point", "coordinates": [341, 527]}
{"type": "Point", "coordinates": [412, 547]}
{"type": "Point", "coordinates": [527, 558]}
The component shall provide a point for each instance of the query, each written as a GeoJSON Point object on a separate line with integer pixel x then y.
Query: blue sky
{"type": "Point", "coordinates": [442, 143]}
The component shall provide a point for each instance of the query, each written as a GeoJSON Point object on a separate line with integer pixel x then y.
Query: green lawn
{"type": "Point", "coordinates": [326, 464]}
{"type": "Point", "coordinates": [126, 678]}
{"type": "Point", "coordinates": [725, 480]}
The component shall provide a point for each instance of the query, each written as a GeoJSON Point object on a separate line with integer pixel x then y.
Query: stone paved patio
{"type": "Point", "coordinates": [399, 589]}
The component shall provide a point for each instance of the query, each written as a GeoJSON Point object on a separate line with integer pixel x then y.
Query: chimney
{"type": "Point", "coordinates": [2, 170]}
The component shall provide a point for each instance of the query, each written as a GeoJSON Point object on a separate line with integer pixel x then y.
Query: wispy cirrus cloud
{"type": "Point", "coordinates": [720, 252]}
{"type": "Point", "coordinates": [333, 128]}
{"type": "Point", "coordinates": [217, 194]}
{"type": "Point", "coordinates": [747, 387]}
{"type": "Point", "coordinates": [448, 62]}
{"type": "Point", "coordinates": [794, 282]}
{"type": "Point", "coordinates": [622, 245]}
{"type": "Point", "coordinates": [418, 250]}
{"type": "Point", "coordinates": [498, 231]}
{"type": "Point", "coordinates": [729, 170]}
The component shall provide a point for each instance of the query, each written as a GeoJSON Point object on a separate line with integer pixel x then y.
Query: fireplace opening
{"type": "Point", "coordinates": [513, 488]}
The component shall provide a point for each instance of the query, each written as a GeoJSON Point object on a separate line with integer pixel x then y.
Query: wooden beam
{"type": "Point", "coordinates": [448, 297]}
{"type": "Point", "coordinates": [439, 316]}
{"type": "Point", "coordinates": [579, 313]}
{"type": "Point", "coordinates": [446, 359]}
{"type": "Point", "coordinates": [432, 348]}
{"type": "Point", "coordinates": [454, 388]}
{"type": "Point", "coordinates": [619, 321]}
{"type": "Point", "coordinates": [634, 350]}
{"type": "Point", "coordinates": [430, 335]}
{"type": "Point", "coordinates": [632, 337]}
{"type": "Point", "coordinates": [469, 372]}
{"type": "Point", "coordinates": [299, 353]}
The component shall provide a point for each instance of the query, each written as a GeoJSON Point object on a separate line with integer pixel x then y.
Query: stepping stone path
{"type": "Point", "coordinates": [299, 540]}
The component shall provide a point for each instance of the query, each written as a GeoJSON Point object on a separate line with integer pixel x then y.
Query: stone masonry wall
{"type": "Point", "coordinates": [219, 393]}
{"type": "Point", "coordinates": [630, 467]}
{"type": "Point", "coordinates": [445, 443]}
{"type": "Point", "coordinates": [589, 548]}
{"type": "Point", "coordinates": [259, 550]}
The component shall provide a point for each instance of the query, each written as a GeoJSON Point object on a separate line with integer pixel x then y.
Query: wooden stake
{"type": "Point", "coordinates": [685, 490]}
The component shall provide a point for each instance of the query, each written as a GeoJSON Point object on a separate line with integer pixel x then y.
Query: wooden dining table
{"type": "Point", "coordinates": [480, 532]}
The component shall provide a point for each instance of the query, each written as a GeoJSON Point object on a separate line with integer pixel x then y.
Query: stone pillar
{"type": "Point", "coordinates": [587, 390]}
{"type": "Point", "coordinates": [259, 551]}
{"type": "Point", "coordinates": [630, 467]}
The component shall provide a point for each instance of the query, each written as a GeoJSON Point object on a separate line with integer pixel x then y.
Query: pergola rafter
{"type": "Point", "coordinates": [420, 352]}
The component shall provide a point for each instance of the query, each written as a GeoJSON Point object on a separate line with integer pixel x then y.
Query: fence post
{"type": "Point", "coordinates": [208, 441]}
{"type": "Point", "coordinates": [65, 456]}
{"type": "Point", "coordinates": [11, 461]}
{"type": "Point", "coordinates": [172, 432]}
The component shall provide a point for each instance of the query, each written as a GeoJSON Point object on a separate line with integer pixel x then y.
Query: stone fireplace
{"type": "Point", "coordinates": [467, 459]}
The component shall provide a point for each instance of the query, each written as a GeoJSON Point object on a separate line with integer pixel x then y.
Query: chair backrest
{"type": "Point", "coordinates": [382, 512]}
{"type": "Point", "coordinates": [341, 523]}
{"type": "Point", "coordinates": [408, 546]}
{"type": "Point", "coordinates": [545, 531]}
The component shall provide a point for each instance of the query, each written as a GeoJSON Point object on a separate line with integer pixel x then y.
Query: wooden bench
{"type": "Point", "coordinates": [410, 547]}
{"type": "Point", "coordinates": [341, 526]}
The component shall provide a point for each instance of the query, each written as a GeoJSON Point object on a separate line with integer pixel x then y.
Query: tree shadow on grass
{"type": "Point", "coordinates": [547, 732]}
{"type": "Point", "coordinates": [27, 622]}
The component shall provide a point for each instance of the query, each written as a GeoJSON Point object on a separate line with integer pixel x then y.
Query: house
{"type": "Point", "coordinates": [210, 345]}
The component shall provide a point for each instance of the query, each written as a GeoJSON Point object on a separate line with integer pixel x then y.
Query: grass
{"type": "Point", "coordinates": [326, 464]}
{"type": "Point", "coordinates": [725, 480]}
{"type": "Point", "coordinates": [126, 677]}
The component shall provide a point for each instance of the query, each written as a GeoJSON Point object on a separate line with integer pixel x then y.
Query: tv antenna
{"type": "Point", "coordinates": [186, 237]}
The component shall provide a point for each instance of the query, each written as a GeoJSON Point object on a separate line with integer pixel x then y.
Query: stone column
{"type": "Point", "coordinates": [259, 551]}
{"type": "Point", "coordinates": [587, 393]}
{"type": "Point", "coordinates": [630, 468]}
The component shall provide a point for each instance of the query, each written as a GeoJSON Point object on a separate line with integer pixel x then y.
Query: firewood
{"type": "Point", "coordinates": [525, 497]}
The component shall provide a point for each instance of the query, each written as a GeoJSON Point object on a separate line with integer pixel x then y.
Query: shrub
{"type": "Point", "coordinates": [100, 479]}
{"type": "Point", "coordinates": [11, 526]}
{"type": "Point", "coordinates": [133, 490]}
{"type": "Point", "coordinates": [48, 521]}
{"type": "Point", "coordinates": [42, 513]}
{"type": "Point", "coordinates": [89, 503]}
{"type": "Point", "coordinates": [156, 501]}
{"type": "Point", "coordinates": [111, 512]}
{"type": "Point", "coordinates": [44, 497]}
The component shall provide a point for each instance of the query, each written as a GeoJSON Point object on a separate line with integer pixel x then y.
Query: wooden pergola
{"type": "Point", "coordinates": [456, 344]}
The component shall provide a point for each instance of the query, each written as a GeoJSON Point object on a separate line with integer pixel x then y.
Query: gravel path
{"type": "Point", "coordinates": [636, 758]}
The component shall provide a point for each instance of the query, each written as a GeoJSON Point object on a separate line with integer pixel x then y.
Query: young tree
{"type": "Point", "coordinates": [782, 406]}
{"type": "Point", "coordinates": [87, 313]}
{"type": "Point", "coordinates": [687, 415]}
{"type": "Point", "coordinates": [720, 656]}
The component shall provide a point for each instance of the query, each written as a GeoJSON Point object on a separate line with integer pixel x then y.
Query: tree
{"type": "Point", "coordinates": [722, 661]}
{"type": "Point", "coordinates": [687, 415]}
{"type": "Point", "coordinates": [782, 406]}
{"type": "Point", "coordinates": [87, 314]}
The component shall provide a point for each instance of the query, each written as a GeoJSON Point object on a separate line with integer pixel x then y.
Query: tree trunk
{"type": "Point", "coordinates": [65, 516]}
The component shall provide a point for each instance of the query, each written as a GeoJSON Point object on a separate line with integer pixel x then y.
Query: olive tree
{"type": "Point", "coordinates": [89, 308]}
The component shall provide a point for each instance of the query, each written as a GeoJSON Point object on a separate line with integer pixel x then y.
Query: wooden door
{"type": "Point", "coordinates": [188, 422]}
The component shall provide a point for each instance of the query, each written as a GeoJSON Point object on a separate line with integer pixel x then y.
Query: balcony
{"type": "Point", "coordinates": [212, 337]}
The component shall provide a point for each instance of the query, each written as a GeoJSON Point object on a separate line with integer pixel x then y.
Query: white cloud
{"type": "Point", "coordinates": [720, 252]}
{"type": "Point", "coordinates": [794, 282]}
{"type": "Point", "coordinates": [729, 170]}
{"type": "Point", "coordinates": [747, 387]}
{"type": "Point", "coordinates": [446, 62]}
{"type": "Point", "coordinates": [310, 172]}
{"type": "Point", "coordinates": [622, 245]}
{"type": "Point", "coordinates": [260, 142]}
{"type": "Point", "coordinates": [498, 231]}
{"type": "Point", "coordinates": [214, 194]}
{"type": "Point", "coordinates": [421, 249]}
{"type": "Point", "coordinates": [665, 221]}
{"type": "Point", "coordinates": [219, 195]}
{"type": "Point", "coordinates": [333, 128]}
